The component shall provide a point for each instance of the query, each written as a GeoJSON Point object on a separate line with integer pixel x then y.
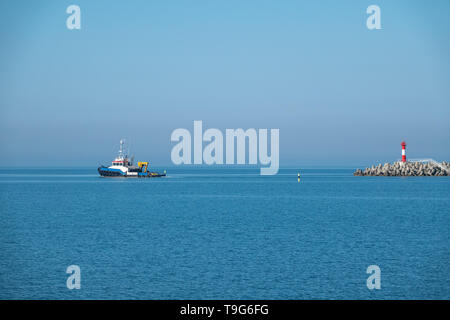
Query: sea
{"type": "Point", "coordinates": [223, 233]}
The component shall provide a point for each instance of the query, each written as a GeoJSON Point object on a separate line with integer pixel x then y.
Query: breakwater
{"type": "Point", "coordinates": [431, 168]}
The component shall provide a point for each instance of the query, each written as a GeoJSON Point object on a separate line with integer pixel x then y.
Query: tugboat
{"type": "Point", "coordinates": [123, 167]}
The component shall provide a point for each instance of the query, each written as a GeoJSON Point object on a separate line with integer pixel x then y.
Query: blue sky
{"type": "Point", "coordinates": [339, 93]}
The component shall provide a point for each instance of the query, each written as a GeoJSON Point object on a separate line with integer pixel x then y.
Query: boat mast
{"type": "Point", "coordinates": [121, 153]}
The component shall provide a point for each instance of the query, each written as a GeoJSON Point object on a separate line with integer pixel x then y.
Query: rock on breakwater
{"type": "Point", "coordinates": [406, 169]}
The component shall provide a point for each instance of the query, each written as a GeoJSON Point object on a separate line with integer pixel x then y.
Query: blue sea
{"type": "Point", "coordinates": [227, 233]}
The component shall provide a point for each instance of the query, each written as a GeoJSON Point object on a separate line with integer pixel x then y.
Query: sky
{"type": "Point", "coordinates": [339, 93]}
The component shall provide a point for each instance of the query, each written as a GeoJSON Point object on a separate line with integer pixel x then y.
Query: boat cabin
{"type": "Point", "coordinates": [121, 163]}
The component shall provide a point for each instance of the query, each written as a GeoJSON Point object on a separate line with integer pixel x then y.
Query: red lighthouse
{"type": "Point", "coordinates": [403, 151]}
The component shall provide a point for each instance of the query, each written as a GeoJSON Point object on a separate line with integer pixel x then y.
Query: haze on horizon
{"type": "Point", "coordinates": [339, 93]}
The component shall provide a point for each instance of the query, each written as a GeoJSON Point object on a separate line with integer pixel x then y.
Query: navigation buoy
{"type": "Point", "coordinates": [403, 151]}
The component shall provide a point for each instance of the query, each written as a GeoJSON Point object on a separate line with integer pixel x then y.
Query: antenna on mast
{"type": "Point", "coordinates": [121, 153]}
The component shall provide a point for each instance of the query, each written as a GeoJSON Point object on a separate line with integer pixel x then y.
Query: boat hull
{"type": "Point", "coordinates": [117, 173]}
{"type": "Point", "coordinates": [107, 172]}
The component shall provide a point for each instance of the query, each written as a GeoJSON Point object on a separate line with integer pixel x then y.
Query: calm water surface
{"type": "Point", "coordinates": [223, 234]}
